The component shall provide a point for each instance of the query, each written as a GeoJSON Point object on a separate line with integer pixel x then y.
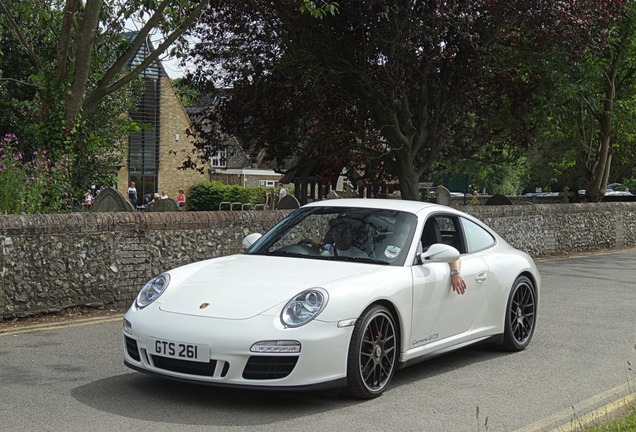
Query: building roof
{"type": "Point", "coordinates": [156, 70]}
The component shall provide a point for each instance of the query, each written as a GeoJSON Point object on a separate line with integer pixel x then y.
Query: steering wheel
{"type": "Point", "coordinates": [313, 248]}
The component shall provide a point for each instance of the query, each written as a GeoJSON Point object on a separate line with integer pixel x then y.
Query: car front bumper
{"type": "Point", "coordinates": [321, 362]}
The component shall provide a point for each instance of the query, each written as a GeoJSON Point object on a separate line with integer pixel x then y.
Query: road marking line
{"type": "Point", "coordinates": [587, 419]}
{"type": "Point", "coordinates": [566, 414]}
{"type": "Point", "coordinates": [67, 324]}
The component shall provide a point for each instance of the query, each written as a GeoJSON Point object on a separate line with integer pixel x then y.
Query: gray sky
{"type": "Point", "coordinates": [172, 68]}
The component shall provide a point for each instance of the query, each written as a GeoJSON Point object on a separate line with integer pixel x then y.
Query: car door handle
{"type": "Point", "coordinates": [481, 277]}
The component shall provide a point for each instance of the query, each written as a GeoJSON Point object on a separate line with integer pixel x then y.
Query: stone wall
{"type": "Point", "coordinates": [561, 229]}
{"type": "Point", "coordinates": [52, 262]}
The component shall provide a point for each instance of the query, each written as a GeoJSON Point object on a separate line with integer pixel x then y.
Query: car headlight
{"type": "Point", "coordinates": [304, 307]}
{"type": "Point", "coordinates": [152, 290]}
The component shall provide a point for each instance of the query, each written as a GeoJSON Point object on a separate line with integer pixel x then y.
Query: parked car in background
{"type": "Point", "coordinates": [613, 189]}
{"type": "Point", "coordinates": [302, 310]}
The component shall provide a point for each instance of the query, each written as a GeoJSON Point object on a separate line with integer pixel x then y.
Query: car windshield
{"type": "Point", "coordinates": [353, 234]}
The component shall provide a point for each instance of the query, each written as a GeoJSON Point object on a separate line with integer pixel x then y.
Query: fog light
{"type": "Point", "coordinates": [282, 346]}
{"type": "Point", "coordinates": [127, 326]}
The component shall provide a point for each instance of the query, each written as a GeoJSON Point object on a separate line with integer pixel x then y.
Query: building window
{"type": "Point", "coordinates": [219, 160]}
{"type": "Point", "coordinates": [143, 146]}
{"type": "Point", "coordinates": [267, 183]}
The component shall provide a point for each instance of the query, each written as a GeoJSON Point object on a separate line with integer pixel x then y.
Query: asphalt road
{"type": "Point", "coordinates": [70, 377]}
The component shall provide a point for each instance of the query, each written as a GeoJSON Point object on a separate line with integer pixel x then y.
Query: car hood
{"type": "Point", "coordinates": [242, 286]}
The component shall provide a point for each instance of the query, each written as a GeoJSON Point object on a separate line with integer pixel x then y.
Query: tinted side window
{"type": "Point", "coordinates": [477, 238]}
{"type": "Point", "coordinates": [451, 235]}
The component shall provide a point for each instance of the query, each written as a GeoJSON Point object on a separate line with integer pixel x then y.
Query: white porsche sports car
{"type": "Point", "coordinates": [340, 293]}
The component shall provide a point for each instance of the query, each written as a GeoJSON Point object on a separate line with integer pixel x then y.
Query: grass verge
{"type": "Point", "coordinates": [624, 420]}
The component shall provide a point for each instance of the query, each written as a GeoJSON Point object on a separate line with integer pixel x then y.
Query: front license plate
{"type": "Point", "coordinates": [179, 350]}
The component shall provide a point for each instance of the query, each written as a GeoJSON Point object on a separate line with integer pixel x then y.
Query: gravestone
{"type": "Point", "coordinates": [348, 192]}
{"type": "Point", "coordinates": [288, 202]}
{"type": "Point", "coordinates": [442, 196]}
{"type": "Point", "coordinates": [110, 200]}
{"type": "Point", "coordinates": [498, 199]}
{"type": "Point", "coordinates": [163, 205]}
{"type": "Point", "coordinates": [333, 195]}
{"type": "Point", "coordinates": [567, 195]}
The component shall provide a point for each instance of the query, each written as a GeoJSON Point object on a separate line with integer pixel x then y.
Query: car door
{"type": "Point", "coordinates": [438, 311]}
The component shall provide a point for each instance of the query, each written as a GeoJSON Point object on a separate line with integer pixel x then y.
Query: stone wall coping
{"type": "Point", "coordinates": [81, 222]}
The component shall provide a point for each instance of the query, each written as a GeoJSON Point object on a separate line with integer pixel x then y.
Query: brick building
{"type": "Point", "coordinates": [157, 151]}
{"type": "Point", "coordinates": [232, 164]}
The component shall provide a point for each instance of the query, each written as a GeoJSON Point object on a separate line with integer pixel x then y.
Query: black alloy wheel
{"type": "Point", "coordinates": [373, 354]}
{"type": "Point", "coordinates": [521, 313]}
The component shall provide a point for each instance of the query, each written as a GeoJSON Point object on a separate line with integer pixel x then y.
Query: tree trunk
{"type": "Point", "coordinates": [601, 168]}
{"type": "Point", "coordinates": [600, 172]}
{"type": "Point", "coordinates": [84, 51]}
{"type": "Point", "coordinates": [409, 186]}
{"type": "Point", "coordinates": [63, 46]}
{"type": "Point", "coordinates": [408, 138]}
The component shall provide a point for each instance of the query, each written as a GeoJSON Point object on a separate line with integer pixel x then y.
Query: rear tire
{"type": "Point", "coordinates": [521, 313]}
{"type": "Point", "coordinates": [373, 354]}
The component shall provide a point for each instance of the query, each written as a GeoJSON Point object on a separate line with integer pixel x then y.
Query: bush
{"type": "Point", "coordinates": [208, 195]}
{"type": "Point", "coordinates": [32, 183]}
{"type": "Point", "coordinates": [630, 184]}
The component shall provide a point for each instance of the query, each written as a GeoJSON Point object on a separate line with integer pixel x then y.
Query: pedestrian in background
{"type": "Point", "coordinates": [282, 192]}
{"type": "Point", "coordinates": [132, 194]}
{"type": "Point", "coordinates": [181, 199]}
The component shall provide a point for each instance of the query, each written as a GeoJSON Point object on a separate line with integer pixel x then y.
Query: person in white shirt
{"type": "Point", "coordinates": [282, 192]}
{"type": "Point", "coordinates": [132, 194]}
{"type": "Point", "coordinates": [343, 242]}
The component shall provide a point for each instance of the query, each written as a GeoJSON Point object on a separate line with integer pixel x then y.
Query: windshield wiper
{"type": "Point", "coordinates": [357, 259]}
{"type": "Point", "coordinates": [281, 253]}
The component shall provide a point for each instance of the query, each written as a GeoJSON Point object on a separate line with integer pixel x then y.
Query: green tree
{"type": "Point", "coordinates": [80, 71]}
{"type": "Point", "coordinates": [188, 94]}
{"type": "Point", "coordinates": [391, 87]}
{"type": "Point", "coordinates": [17, 89]}
{"type": "Point", "coordinates": [319, 9]}
{"type": "Point", "coordinates": [592, 95]}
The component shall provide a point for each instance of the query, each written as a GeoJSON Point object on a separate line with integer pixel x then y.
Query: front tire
{"type": "Point", "coordinates": [521, 313]}
{"type": "Point", "coordinates": [373, 353]}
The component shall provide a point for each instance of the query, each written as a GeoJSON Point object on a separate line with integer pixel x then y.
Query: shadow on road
{"type": "Point", "coordinates": [139, 396]}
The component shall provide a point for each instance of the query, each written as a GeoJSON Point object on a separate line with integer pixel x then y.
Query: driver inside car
{"type": "Point", "coordinates": [343, 242]}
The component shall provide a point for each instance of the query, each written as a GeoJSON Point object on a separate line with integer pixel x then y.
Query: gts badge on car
{"type": "Point", "coordinates": [204, 305]}
{"type": "Point", "coordinates": [425, 340]}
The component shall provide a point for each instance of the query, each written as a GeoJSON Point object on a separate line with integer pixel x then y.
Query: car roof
{"type": "Point", "coordinates": [389, 204]}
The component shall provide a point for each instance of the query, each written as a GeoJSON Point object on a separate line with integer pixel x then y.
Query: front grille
{"type": "Point", "coordinates": [131, 347]}
{"type": "Point", "coordinates": [269, 367]}
{"type": "Point", "coordinates": [185, 366]}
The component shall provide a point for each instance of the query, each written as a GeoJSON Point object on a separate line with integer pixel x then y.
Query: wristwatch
{"type": "Point", "coordinates": [454, 272]}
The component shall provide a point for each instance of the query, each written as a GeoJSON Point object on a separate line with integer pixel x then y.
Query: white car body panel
{"type": "Point", "coordinates": [244, 286]}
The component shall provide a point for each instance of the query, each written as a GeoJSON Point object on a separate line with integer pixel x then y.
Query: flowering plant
{"type": "Point", "coordinates": [32, 183]}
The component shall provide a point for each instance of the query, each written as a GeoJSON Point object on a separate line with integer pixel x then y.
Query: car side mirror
{"type": "Point", "coordinates": [250, 239]}
{"type": "Point", "coordinates": [439, 252]}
